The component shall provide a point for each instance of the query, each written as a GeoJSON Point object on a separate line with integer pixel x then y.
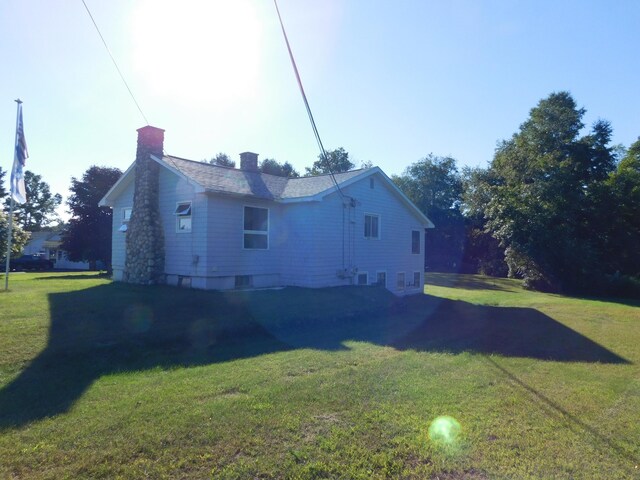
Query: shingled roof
{"type": "Point", "coordinates": [226, 180]}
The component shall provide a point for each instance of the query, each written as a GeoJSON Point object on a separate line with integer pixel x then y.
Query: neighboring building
{"type": "Point", "coordinates": [195, 224]}
{"type": "Point", "coordinates": [47, 244]}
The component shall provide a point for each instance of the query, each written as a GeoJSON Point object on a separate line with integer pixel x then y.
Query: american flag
{"type": "Point", "coordinates": [18, 190]}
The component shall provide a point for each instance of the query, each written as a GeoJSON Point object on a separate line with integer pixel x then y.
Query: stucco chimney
{"type": "Point", "coordinates": [249, 161]}
{"type": "Point", "coordinates": [144, 263]}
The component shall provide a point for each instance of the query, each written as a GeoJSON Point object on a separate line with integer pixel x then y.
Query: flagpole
{"type": "Point", "coordinates": [9, 235]}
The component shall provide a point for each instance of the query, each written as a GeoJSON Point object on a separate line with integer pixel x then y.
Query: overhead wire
{"type": "Point", "coordinates": [115, 63]}
{"type": "Point", "coordinates": [323, 153]}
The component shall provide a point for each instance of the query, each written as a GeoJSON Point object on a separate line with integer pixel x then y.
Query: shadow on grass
{"type": "Point", "coordinates": [83, 276]}
{"type": "Point", "coordinates": [118, 327]}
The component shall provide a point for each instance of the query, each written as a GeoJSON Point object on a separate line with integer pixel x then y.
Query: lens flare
{"type": "Point", "coordinates": [138, 318]}
{"type": "Point", "coordinates": [444, 430]}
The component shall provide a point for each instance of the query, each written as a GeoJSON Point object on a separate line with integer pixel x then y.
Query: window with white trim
{"type": "Point", "coordinates": [256, 228]}
{"type": "Point", "coordinates": [363, 278]}
{"type": "Point", "coordinates": [400, 281]}
{"type": "Point", "coordinates": [371, 225]}
{"type": "Point", "coordinates": [126, 216]}
{"type": "Point", "coordinates": [183, 217]}
{"type": "Point", "coordinates": [415, 241]}
{"type": "Point", "coordinates": [381, 279]}
{"type": "Point", "coordinates": [417, 279]}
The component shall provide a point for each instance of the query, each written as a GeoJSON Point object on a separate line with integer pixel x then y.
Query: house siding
{"type": "Point", "coordinates": [309, 243]}
{"type": "Point", "coordinates": [118, 238]}
{"type": "Point", "coordinates": [227, 257]}
{"type": "Point", "coordinates": [185, 252]}
{"type": "Point", "coordinates": [391, 252]}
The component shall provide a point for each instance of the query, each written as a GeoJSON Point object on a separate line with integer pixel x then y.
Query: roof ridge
{"type": "Point", "coordinates": [213, 165]}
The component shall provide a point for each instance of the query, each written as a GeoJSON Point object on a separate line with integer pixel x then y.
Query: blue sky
{"type": "Point", "coordinates": [390, 81]}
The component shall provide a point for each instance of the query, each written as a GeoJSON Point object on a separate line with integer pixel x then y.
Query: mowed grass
{"type": "Point", "coordinates": [107, 380]}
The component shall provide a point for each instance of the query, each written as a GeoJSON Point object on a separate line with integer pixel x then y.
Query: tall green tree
{"type": "Point", "coordinates": [87, 237]}
{"type": "Point", "coordinates": [40, 208]}
{"type": "Point", "coordinates": [434, 184]}
{"type": "Point", "coordinates": [3, 191]}
{"type": "Point", "coordinates": [222, 159]}
{"type": "Point", "coordinates": [19, 237]}
{"type": "Point", "coordinates": [620, 215]}
{"type": "Point", "coordinates": [273, 167]}
{"type": "Point", "coordinates": [543, 192]}
{"type": "Point", "coordinates": [336, 161]}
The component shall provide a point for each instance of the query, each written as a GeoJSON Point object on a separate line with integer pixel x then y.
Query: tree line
{"type": "Point", "coordinates": [555, 206]}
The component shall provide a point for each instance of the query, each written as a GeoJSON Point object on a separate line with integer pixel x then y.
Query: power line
{"type": "Point", "coordinates": [115, 63]}
{"type": "Point", "coordinates": [323, 153]}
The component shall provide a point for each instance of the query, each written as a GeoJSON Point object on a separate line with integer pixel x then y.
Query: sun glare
{"type": "Point", "coordinates": [197, 50]}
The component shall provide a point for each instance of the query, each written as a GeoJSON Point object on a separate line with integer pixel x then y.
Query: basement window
{"type": "Point", "coordinates": [243, 281]}
{"type": "Point", "coordinates": [183, 217]}
{"type": "Point", "coordinates": [417, 277]}
{"type": "Point", "coordinates": [256, 228]}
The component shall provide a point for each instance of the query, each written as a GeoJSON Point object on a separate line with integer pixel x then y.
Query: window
{"type": "Point", "coordinates": [256, 228]}
{"type": "Point", "coordinates": [381, 279]}
{"type": "Point", "coordinates": [371, 183]}
{"type": "Point", "coordinates": [400, 283]}
{"type": "Point", "coordinates": [415, 241]}
{"type": "Point", "coordinates": [183, 217]}
{"type": "Point", "coordinates": [417, 280]}
{"type": "Point", "coordinates": [243, 281]}
{"type": "Point", "coordinates": [363, 278]}
{"type": "Point", "coordinates": [371, 226]}
{"type": "Point", "coordinates": [126, 216]}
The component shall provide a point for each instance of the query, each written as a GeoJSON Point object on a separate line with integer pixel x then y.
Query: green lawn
{"type": "Point", "coordinates": [106, 380]}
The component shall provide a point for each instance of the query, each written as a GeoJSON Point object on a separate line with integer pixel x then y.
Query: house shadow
{"type": "Point", "coordinates": [113, 328]}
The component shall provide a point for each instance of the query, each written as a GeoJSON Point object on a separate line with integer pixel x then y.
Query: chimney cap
{"type": "Point", "coordinates": [149, 128]}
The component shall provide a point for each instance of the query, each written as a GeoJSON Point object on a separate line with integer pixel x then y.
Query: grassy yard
{"type": "Point", "coordinates": [477, 379]}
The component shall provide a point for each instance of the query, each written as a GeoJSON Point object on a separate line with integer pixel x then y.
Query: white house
{"type": "Point", "coordinates": [215, 227]}
{"type": "Point", "coordinates": [47, 244]}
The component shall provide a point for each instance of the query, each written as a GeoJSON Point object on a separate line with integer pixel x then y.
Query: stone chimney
{"type": "Point", "coordinates": [144, 263]}
{"type": "Point", "coordinates": [249, 161]}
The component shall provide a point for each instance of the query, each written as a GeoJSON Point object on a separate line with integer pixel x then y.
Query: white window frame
{"type": "Point", "coordinates": [404, 281]}
{"type": "Point", "coordinates": [179, 217]}
{"type": "Point", "coordinates": [256, 232]}
{"type": "Point", "coordinates": [366, 282]}
{"type": "Point", "coordinates": [419, 284]}
{"type": "Point", "coordinates": [419, 242]}
{"type": "Point", "coordinates": [124, 225]}
{"type": "Point", "coordinates": [364, 233]}
{"type": "Point", "coordinates": [385, 277]}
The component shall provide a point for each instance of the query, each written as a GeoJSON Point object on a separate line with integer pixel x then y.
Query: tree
{"type": "Point", "coordinates": [3, 192]}
{"type": "Point", "coordinates": [40, 207]}
{"type": "Point", "coordinates": [483, 253]}
{"type": "Point", "coordinates": [435, 186]}
{"type": "Point", "coordinates": [88, 235]}
{"type": "Point", "coordinates": [222, 160]}
{"type": "Point", "coordinates": [620, 215]}
{"type": "Point", "coordinates": [19, 237]}
{"type": "Point", "coordinates": [336, 161]}
{"type": "Point", "coordinates": [272, 167]}
{"type": "Point", "coordinates": [542, 188]}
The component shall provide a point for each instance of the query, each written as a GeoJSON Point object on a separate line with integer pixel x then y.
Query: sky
{"type": "Point", "coordinates": [389, 81]}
